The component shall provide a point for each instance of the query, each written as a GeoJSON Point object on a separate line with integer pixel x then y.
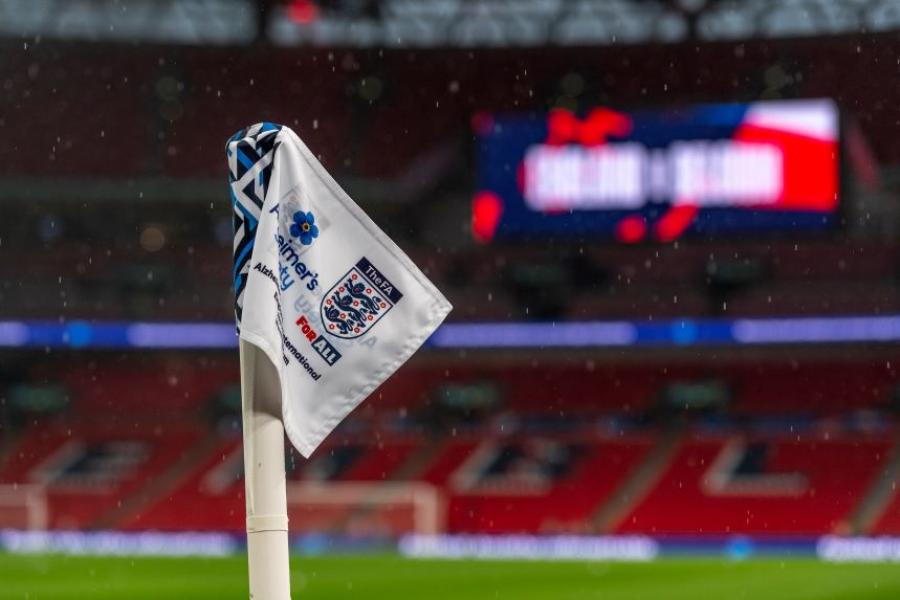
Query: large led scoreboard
{"type": "Point", "coordinates": [658, 175]}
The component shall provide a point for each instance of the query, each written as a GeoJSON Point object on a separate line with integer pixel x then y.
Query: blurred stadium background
{"type": "Point", "coordinates": [693, 353]}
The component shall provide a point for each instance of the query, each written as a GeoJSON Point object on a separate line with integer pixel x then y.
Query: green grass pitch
{"type": "Point", "coordinates": [390, 577]}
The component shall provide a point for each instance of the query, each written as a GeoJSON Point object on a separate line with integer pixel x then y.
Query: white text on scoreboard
{"type": "Point", "coordinates": [626, 176]}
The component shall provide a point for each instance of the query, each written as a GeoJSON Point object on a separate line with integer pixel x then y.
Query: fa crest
{"type": "Point", "coordinates": [358, 300]}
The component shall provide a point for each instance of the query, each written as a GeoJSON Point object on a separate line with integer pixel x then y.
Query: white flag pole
{"type": "Point", "coordinates": [267, 522]}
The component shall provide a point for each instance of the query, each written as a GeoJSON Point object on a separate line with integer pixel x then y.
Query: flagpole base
{"type": "Point", "coordinates": [267, 559]}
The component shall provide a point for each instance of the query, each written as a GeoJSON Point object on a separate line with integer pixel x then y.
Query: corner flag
{"type": "Point", "coordinates": [333, 303]}
{"type": "Point", "coordinates": [327, 307]}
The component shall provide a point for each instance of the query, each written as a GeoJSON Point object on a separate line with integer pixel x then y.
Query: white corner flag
{"type": "Point", "coordinates": [329, 299]}
{"type": "Point", "coordinates": [320, 289]}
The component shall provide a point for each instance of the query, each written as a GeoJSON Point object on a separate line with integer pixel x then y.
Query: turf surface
{"type": "Point", "coordinates": [84, 578]}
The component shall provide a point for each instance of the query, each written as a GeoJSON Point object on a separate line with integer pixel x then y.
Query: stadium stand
{"type": "Point", "coordinates": [184, 281]}
{"type": "Point", "coordinates": [88, 469]}
{"type": "Point", "coordinates": [209, 495]}
{"type": "Point", "coordinates": [537, 484]}
{"type": "Point", "coordinates": [759, 485]}
{"type": "Point", "coordinates": [569, 448]}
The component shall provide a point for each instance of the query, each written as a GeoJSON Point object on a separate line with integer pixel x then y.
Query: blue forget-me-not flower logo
{"type": "Point", "coordinates": [304, 227]}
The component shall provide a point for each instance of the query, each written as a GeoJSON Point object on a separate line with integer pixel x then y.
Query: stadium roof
{"type": "Point", "coordinates": [431, 23]}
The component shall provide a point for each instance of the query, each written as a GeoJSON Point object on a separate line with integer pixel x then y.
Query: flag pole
{"type": "Point", "coordinates": [264, 477]}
